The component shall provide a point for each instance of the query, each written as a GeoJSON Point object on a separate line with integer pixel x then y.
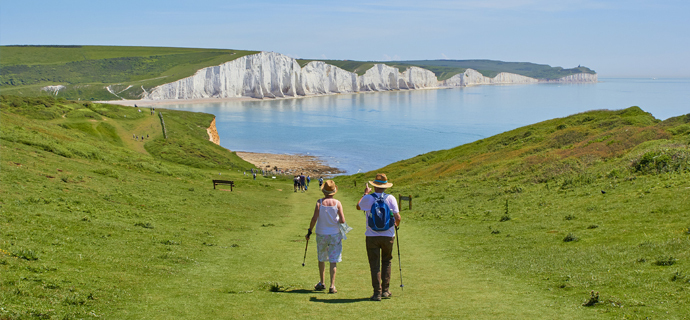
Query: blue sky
{"type": "Point", "coordinates": [633, 38]}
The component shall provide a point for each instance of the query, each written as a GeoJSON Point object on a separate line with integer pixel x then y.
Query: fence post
{"type": "Point", "coordinates": [408, 198]}
{"type": "Point", "coordinates": [165, 132]}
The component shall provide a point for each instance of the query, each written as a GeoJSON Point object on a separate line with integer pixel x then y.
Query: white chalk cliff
{"type": "Point", "coordinates": [472, 77]}
{"type": "Point", "coordinates": [273, 75]}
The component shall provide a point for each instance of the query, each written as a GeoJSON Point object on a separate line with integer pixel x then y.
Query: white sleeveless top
{"type": "Point", "coordinates": [329, 221]}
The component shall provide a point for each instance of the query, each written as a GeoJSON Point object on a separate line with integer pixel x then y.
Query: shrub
{"type": "Point", "coordinates": [663, 261]}
{"type": "Point", "coordinates": [667, 160]}
{"type": "Point", "coordinates": [570, 238]}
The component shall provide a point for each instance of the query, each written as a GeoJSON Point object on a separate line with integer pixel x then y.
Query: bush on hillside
{"type": "Point", "coordinates": [43, 108]}
{"type": "Point", "coordinates": [660, 161]}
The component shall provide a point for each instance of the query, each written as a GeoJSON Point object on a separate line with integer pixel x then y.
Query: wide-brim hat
{"type": "Point", "coordinates": [329, 187]}
{"type": "Point", "coordinates": [381, 181]}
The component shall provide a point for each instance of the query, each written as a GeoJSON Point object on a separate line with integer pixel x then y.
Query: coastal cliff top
{"type": "Point", "coordinates": [120, 72]}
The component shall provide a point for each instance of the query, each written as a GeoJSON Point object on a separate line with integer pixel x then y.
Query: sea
{"type": "Point", "coordinates": [366, 131]}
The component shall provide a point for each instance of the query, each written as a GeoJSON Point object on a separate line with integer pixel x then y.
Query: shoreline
{"type": "Point", "coordinates": [162, 102]}
{"type": "Point", "coordinates": [287, 163]}
{"type": "Point", "coordinates": [290, 164]}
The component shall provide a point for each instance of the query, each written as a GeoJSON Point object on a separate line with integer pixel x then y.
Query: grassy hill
{"type": "Point", "coordinates": [596, 201]}
{"type": "Point", "coordinates": [444, 69]}
{"type": "Point", "coordinates": [87, 70]}
{"type": "Point", "coordinates": [116, 72]}
{"type": "Point", "coordinates": [96, 224]}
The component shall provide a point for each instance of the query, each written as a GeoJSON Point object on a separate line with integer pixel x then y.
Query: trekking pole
{"type": "Point", "coordinates": [397, 240]}
{"type": "Point", "coordinates": [305, 252]}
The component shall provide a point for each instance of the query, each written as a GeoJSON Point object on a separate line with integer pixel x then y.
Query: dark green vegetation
{"type": "Point", "coordinates": [95, 224]}
{"type": "Point", "coordinates": [85, 71]}
{"type": "Point", "coordinates": [444, 69]}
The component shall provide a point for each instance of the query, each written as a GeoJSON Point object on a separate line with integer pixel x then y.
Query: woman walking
{"type": "Point", "coordinates": [328, 215]}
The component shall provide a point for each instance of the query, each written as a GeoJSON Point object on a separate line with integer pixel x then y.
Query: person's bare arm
{"type": "Point", "coordinates": [366, 192]}
{"type": "Point", "coordinates": [397, 219]}
{"type": "Point", "coordinates": [341, 215]}
{"type": "Point", "coordinates": [313, 220]}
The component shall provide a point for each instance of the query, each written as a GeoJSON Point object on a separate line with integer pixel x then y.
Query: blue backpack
{"type": "Point", "coordinates": [380, 218]}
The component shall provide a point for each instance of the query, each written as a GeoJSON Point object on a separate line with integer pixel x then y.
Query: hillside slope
{"type": "Point", "coordinates": [101, 72]}
{"type": "Point", "coordinates": [115, 72]}
{"type": "Point", "coordinates": [527, 224]}
{"type": "Point", "coordinates": [593, 202]}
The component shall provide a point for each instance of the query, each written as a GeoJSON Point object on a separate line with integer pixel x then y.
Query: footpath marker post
{"type": "Point", "coordinates": [408, 199]}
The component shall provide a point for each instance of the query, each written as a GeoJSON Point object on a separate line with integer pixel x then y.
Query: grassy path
{"type": "Point", "coordinates": [235, 282]}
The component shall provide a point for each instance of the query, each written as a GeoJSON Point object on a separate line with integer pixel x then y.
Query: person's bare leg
{"type": "Point", "coordinates": [322, 271]}
{"type": "Point", "coordinates": [333, 269]}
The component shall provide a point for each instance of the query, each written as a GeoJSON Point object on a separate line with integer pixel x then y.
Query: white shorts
{"type": "Point", "coordinates": [329, 247]}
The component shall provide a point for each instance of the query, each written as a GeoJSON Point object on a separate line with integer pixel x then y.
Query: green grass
{"type": "Point", "coordinates": [96, 224]}
{"type": "Point", "coordinates": [86, 70]}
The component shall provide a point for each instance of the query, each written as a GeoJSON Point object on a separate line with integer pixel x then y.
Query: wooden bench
{"type": "Point", "coordinates": [216, 182]}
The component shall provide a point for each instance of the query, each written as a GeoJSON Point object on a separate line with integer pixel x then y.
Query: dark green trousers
{"type": "Point", "coordinates": [380, 253]}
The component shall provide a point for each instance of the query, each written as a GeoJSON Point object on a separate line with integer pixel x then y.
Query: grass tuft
{"type": "Point", "coordinates": [593, 299]}
{"type": "Point", "coordinates": [146, 225]}
{"type": "Point", "coordinates": [570, 238]}
{"type": "Point", "coordinates": [665, 261]}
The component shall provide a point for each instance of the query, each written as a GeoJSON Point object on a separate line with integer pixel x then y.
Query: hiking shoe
{"type": "Point", "coordinates": [375, 297]}
{"type": "Point", "coordinates": [332, 290]}
{"type": "Point", "coordinates": [319, 286]}
{"type": "Point", "coordinates": [386, 294]}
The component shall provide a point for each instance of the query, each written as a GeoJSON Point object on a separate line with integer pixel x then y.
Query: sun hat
{"type": "Point", "coordinates": [329, 187]}
{"type": "Point", "coordinates": [381, 181]}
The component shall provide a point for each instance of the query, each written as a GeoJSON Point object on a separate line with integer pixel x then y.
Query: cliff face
{"type": "Point", "coordinates": [262, 75]}
{"type": "Point", "coordinates": [472, 77]}
{"type": "Point", "coordinates": [213, 132]}
{"type": "Point", "coordinates": [319, 77]}
{"type": "Point", "coordinates": [578, 77]}
{"type": "Point", "coordinates": [273, 75]}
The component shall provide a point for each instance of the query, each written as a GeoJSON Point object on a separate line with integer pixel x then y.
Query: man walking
{"type": "Point", "coordinates": [380, 243]}
{"type": "Point", "coordinates": [302, 182]}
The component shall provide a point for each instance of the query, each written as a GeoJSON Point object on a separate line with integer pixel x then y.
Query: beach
{"type": "Point", "coordinates": [155, 103]}
{"type": "Point", "coordinates": [291, 164]}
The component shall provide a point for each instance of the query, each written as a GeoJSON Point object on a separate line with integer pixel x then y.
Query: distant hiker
{"type": "Point", "coordinates": [328, 217]}
{"type": "Point", "coordinates": [308, 180]}
{"type": "Point", "coordinates": [254, 175]}
{"type": "Point", "coordinates": [295, 182]}
{"type": "Point", "coordinates": [320, 182]}
{"type": "Point", "coordinates": [147, 136]}
{"type": "Point", "coordinates": [302, 182]}
{"type": "Point", "coordinates": [380, 242]}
